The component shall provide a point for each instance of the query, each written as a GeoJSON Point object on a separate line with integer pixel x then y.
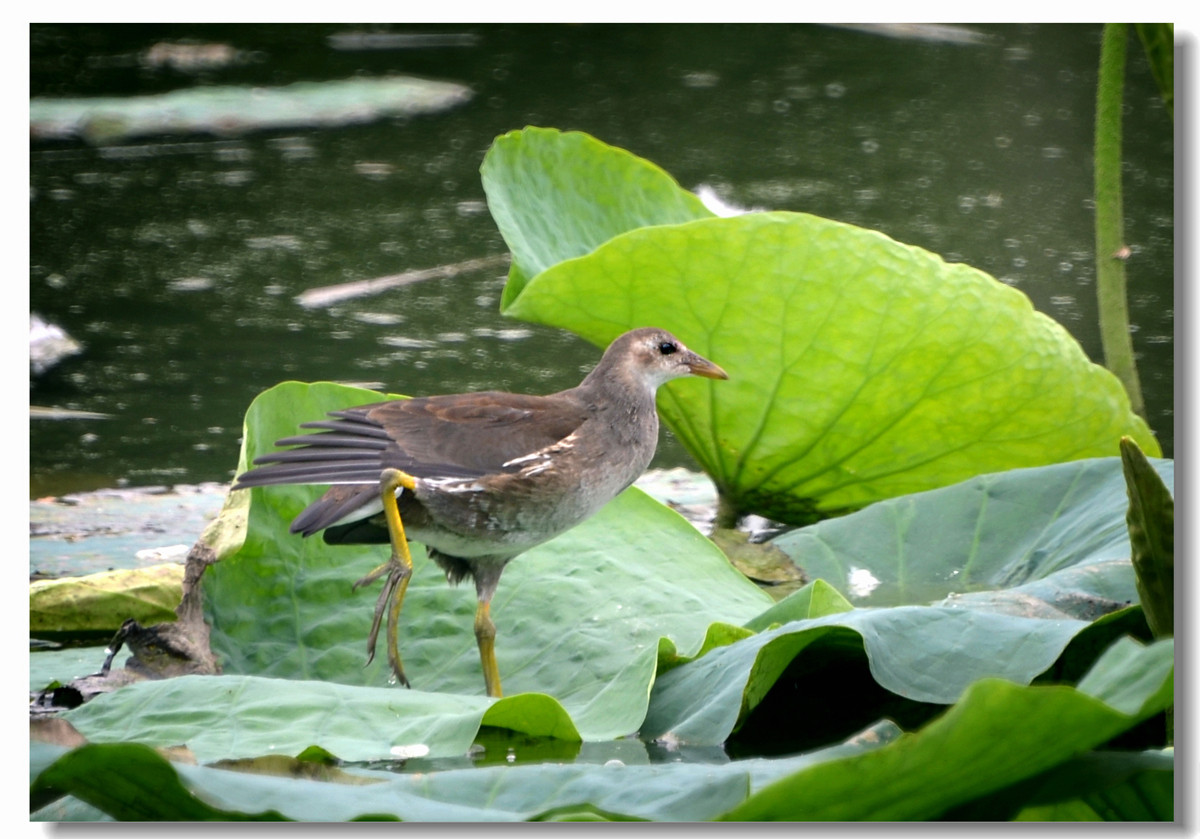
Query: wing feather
{"type": "Point", "coordinates": [457, 436]}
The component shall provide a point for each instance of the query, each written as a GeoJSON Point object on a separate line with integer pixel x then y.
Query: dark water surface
{"type": "Point", "coordinates": [176, 260]}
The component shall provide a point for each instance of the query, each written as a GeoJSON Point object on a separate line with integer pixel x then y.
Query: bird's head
{"type": "Point", "coordinates": [654, 356]}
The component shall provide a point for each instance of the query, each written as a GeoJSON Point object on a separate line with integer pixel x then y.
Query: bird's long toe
{"type": "Point", "coordinates": [390, 600]}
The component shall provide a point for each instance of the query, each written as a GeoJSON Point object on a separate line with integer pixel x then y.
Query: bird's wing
{"type": "Point", "coordinates": [457, 436]}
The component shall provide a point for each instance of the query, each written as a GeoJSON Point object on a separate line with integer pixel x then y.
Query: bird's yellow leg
{"type": "Point", "coordinates": [485, 637]}
{"type": "Point", "coordinates": [398, 569]}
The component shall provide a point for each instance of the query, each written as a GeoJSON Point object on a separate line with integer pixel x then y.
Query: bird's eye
{"type": "Point", "coordinates": [666, 348]}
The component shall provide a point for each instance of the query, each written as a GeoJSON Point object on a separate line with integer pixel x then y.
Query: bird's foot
{"type": "Point", "coordinates": [392, 595]}
{"type": "Point", "coordinates": [398, 569]}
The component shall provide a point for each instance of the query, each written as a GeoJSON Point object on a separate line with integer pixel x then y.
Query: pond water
{"type": "Point", "coordinates": [176, 260]}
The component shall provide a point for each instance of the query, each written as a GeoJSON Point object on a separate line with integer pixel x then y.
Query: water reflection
{"type": "Point", "coordinates": [178, 260]}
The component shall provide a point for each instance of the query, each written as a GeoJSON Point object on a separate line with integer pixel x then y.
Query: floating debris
{"type": "Point", "coordinates": [186, 57]}
{"type": "Point", "coordinates": [232, 110]}
{"type": "Point", "coordinates": [315, 298]}
{"type": "Point", "coordinates": [46, 413]}
{"type": "Point", "coordinates": [190, 284]}
{"type": "Point", "coordinates": [374, 169]}
{"type": "Point", "coordinates": [862, 582]}
{"type": "Point", "coordinates": [354, 41]}
{"type": "Point", "coordinates": [718, 206]}
{"type": "Point", "coordinates": [48, 345]}
{"type": "Point", "coordinates": [939, 33]}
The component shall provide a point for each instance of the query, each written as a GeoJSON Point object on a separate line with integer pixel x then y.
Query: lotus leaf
{"type": "Point", "coordinates": [860, 368]}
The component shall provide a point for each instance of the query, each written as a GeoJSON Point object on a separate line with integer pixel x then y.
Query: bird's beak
{"type": "Point", "coordinates": [700, 366]}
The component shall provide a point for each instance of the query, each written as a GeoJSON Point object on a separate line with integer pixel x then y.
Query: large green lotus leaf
{"type": "Point", "coordinates": [1041, 550]}
{"type": "Point", "coordinates": [151, 788]}
{"type": "Point", "coordinates": [557, 195]}
{"type": "Point", "coordinates": [921, 653]}
{"type": "Point", "coordinates": [221, 717]}
{"type": "Point", "coordinates": [998, 734]}
{"type": "Point", "coordinates": [876, 774]}
{"type": "Point", "coordinates": [1101, 786]}
{"type": "Point", "coordinates": [859, 368]}
{"type": "Point", "coordinates": [579, 618]}
{"type": "Point", "coordinates": [1048, 541]}
{"type": "Point", "coordinates": [814, 600]}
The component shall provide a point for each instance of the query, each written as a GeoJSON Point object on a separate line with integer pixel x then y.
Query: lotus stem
{"type": "Point", "coordinates": [1111, 251]}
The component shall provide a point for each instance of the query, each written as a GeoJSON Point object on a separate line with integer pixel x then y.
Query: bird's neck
{"type": "Point", "coordinates": [615, 389]}
{"type": "Point", "coordinates": [627, 407]}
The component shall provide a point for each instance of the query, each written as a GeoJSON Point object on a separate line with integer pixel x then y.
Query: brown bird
{"type": "Point", "coordinates": [479, 478]}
